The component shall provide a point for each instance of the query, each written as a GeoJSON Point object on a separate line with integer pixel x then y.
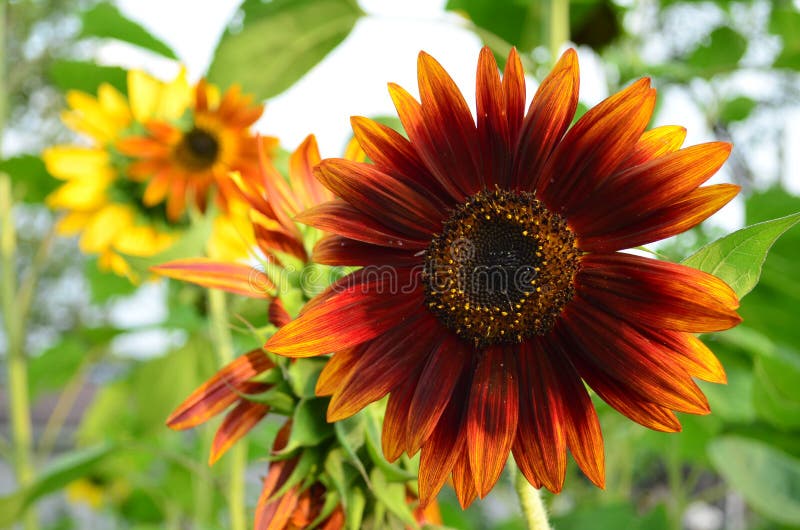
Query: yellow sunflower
{"type": "Point", "coordinates": [109, 210]}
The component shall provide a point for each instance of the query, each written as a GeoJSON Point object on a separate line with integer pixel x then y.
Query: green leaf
{"type": "Point", "coordinates": [66, 469]}
{"type": "Point", "coordinates": [784, 21]}
{"type": "Point", "coordinates": [768, 479]}
{"type": "Point", "coordinates": [738, 257]}
{"type": "Point", "coordinates": [309, 427]}
{"type": "Point", "coordinates": [279, 42]}
{"type": "Point", "coordinates": [87, 76]}
{"type": "Point", "coordinates": [105, 285]}
{"type": "Point", "coordinates": [105, 20]}
{"type": "Point", "coordinates": [517, 22]}
{"type": "Point", "coordinates": [392, 495]}
{"type": "Point", "coordinates": [303, 375]}
{"type": "Point", "coordinates": [29, 177]}
{"type": "Point", "coordinates": [737, 109]}
{"type": "Point", "coordinates": [721, 54]}
{"type": "Point", "coordinates": [355, 503]}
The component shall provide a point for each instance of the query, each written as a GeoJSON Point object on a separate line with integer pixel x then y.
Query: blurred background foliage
{"type": "Point", "coordinates": [103, 456]}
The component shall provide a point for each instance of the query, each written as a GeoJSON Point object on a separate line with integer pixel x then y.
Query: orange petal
{"type": "Point", "coordinates": [232, 277]}
{"type": "Point", "coordinates": [655, 143]}
{"type": "Point", "coordinates": [492, 416]}
{"type": "Point", "coordinates": [463, 481]}
{"type": "Point", "coordinates": [237, 423]}
{"type": "Point", "coordinates": [337, 370]}
{"type": "Point", "coordinates": [514, 92]}
{"type": "Point", "coordinates": [495, 140]}
{"type": "Point", "coordinates": [301, 168]}
{"type": "Point", "coordinates": [221, 391]}
{"type": "Point", "coordinates": [395, 421]}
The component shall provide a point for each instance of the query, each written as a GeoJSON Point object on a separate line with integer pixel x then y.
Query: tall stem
{"type": "Point", "coordinates": [221, 334]}
{"type": "Point", "coordinates": [530, 500]}
{"type": "Point", "coordinates": [557, 29]}
{"type": "Point", "coordinates": [18, 398]}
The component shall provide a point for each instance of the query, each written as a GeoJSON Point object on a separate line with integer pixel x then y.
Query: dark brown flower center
{"type": "Point", "coordinates": [198, 149]}
{"type": "Point", "coordinates": [502, 269]}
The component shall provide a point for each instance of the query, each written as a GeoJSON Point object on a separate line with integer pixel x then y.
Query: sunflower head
{"type": "Point", "coordinates": [494, 284]}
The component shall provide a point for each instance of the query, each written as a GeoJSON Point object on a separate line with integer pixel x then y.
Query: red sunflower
{"type": "Point", "coordinates": [492, 284]}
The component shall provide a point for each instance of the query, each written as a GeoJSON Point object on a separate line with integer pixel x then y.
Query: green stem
{"type": "Point", "coordinates": [676, 486]}
{"type": "Point", "coordinates": [18, 398]}
{"type": "Point", "coordinates": [530, 500]}
{"type": "Point", "coordinates": [557, 29]}
{"type": "Point", "coordinates": [221, 334]}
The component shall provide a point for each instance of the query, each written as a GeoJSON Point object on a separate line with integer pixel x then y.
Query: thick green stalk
{"type": "Point", "coordinates": [221, 334]}
{"type": "Point", "coordinates": [530, 500]}
{"type": "Point", "coordinates": [557, 29]}
{"type": "Point", "coordinates": [18, 398]}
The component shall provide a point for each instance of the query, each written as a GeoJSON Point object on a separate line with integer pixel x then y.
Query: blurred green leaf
{"type": "Point", "coordinates": [303, 374]}
{"type": "Point", "coordinates": [738, 257]}
{"type": "Point", "coordinates": [105, 285]}
{"type": "Point", "coordinates": [736, 109]}
{"type": "Point", "coordinates": [721, 54]}
{"type": "Point", "coordinates": [768, 479]}
{"type": "Point", "coordinates": [784, 21]}
{"type": "Point", "coordinates": [517, 22]}
{"type": "Point", "coordinates": [617, 515]}
{"type": "Point", "coordinates": [29, 177]}
{"type": "Point", "coordinates": [776, 393]}
{"type": "Point", "coordinates": [594, 23]}
{"type": "Point", "coordinates": [279, 42]}
{"type": "Point", "coordinates": [105, 20]}
{"type": "Point", "coordinates": [392, 495]}
{"type": "Point", "coordinates": [51, 369]}
{"type": "Point", "coordinates": [64, 470]}
{"type": "Point", "coordinates": [732, 402]}
{"type": "Point", "coordinates": [87, 76]}
{"type": "Point", "coordinates": [309, 427]}
{"type": "Point", "coordinates": [354, 503]}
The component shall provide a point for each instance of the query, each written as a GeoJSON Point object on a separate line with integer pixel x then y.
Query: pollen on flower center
{"type": "Point", "coordinates": [198, 149]}
{"type": "Point", "coordinates": [502, 269]}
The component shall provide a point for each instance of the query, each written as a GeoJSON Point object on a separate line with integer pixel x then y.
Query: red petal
{"type": "Point", "coordinates": [450, 125]}
{"type": "Point", "coordinates": [613, 346]}
{"type": "Point", "coordinates": [658, 294]}
{"type": "Point", "coordinates": [656, 143]}
{"type": "Point", "coordinates": [495, 140]}
{"type": "Point", "coordinates": [232, 277]}
{"type": "Point", "coordinates": [436, 384]}
{"type": "Point", "coordinates": [540, 449]}
{"type": "Point", "coordinates": [514, 92]}
{"type": "Point", "coordinates": [689, 352]}
{"type": "Point", "coordinates": [622, 232]}
{"type": "Point", "coordinates": [393, 437]}
{"type": "Point", "coordinates": [280, 240]}
{"type": "Point", "coordinates": [548, 117]}
{"type": "Point", "coordinates": [394, 155]}
{"type": "Point", "coordinates": [602, 139]}
{"type": "Point", "coordinates": [463, 481]}
{"type": "Point", "coordinates": [648, 187]}
{"type": "Point", "coordinates": [579, 420]}
{"type": "Point", "coordinates": [340, 218]}
{"type": "Point", "coordinates": [237, 423]}
{"type": "Point", "coordinates": [278, 316]}
{"type": "Point", "coordinates": [350, 317]}
{"type": "Point", "coordinates": [338, 250]}
{"type": "Point", "coordinates": [221, 391]}
{"type": "Point", "coordinates": [492, 416]}
{"type": "Point", "coordinates": [384, 363]}
{"type": "Point", "coordinates": [301, 168]}
{"type": "Point", "coordinates": [382, 197]}
{"type": "Point", "coordinates": [337, 370]}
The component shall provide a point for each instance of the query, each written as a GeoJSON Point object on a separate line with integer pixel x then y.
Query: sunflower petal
{"type": "Point", "coordinates": [231, 277]}
{"type": "Point", "coordinates": [237, 423]}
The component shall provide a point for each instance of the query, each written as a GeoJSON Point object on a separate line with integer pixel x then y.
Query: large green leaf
{"type": "Point", "coordinates": [785, 21]}
{"type": "Point", "coordinates": [767, 478]}
{"type": "Point", "coordinates": [309, 427]}
{"type": "Point", "coordinates": [105, 20]}
{"type": "Point", "coordinates": [279, 42]}
{"type": "Point", "coordinates": [86, 76]}
{"type": "Point", "coordinates": [737, 258]}
{"type": "Point", "coordinates": [29, 177]}
{"type": "Point", "coordinates": [517, 22]}
{"type": "Point", "coordinates": [66, 469]}
{"type": "Point", "coordinates": [721, 54]}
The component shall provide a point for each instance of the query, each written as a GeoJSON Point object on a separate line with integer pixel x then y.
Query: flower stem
{"type": "Point", "coordinates": [557, 30]}
{"type": "Point", "coordinates": [530, 501]}
{"type": "Point", "coordinates": [221, 335]}
{"type": "Point", "coordinates": [17, 371]}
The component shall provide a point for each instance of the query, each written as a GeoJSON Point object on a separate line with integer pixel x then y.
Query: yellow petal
{"type": "Point", "coordinates": [73, 162]}
{"type": "Point", "coordinates": [144, 91]}
{"type": "Point", "coordinates": [142, 241]}
{"type": "Point", "coordinates": [231, 238]}
{"type": "Point", "coordinates": [109, 260]}
{"type": "Point", "coordinates": [175, 98]}
{"type": "Point", "coordinates": [104, 228]}
{"type": "Point", "coordinates": [115, 105]}
{"type": "Point", "coordinates": [72, 223]}
{"type": "Point", "coordinates": [80, 194]}
{"type": "Point", "coordinates": [88, 115]}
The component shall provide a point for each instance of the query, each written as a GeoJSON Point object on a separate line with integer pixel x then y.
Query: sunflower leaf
{"type": "Point", "coordinates": [309, 427]}
{"type": "Point", "coordinates": [284, 38]}
{"type": "Point", "coordinates": [767, 478]}
{"type": "Point", "coordinates": [105, 20]}
{"type": "Point", "coordinates": [738, 257]}
{"type": "Point", "coordinates": [66, 469]}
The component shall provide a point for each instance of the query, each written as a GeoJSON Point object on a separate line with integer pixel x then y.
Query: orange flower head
{"type": "Point", "coordinates": [187, 159]}
{"type": "Point", "coordinates": [493, 283]}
